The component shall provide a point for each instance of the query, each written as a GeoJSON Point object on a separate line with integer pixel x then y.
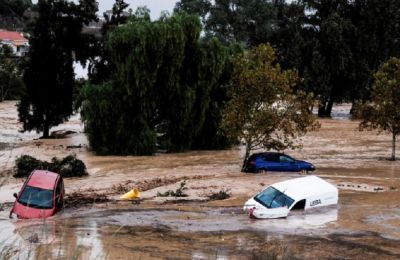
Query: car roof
{"type": "Point", "coordinates": [268, 153]}
{"type": "Point", "coordinates": [305, 187]}
{"type": "Point", "coordinates": [43, 179]}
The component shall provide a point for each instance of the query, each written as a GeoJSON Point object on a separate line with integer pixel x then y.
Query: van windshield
{"type": "Point", "coordinates": [36, 198]}
{"type": "Point", "coordinates": [273, 198]}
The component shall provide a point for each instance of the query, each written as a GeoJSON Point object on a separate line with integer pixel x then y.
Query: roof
{"type": "Point", "coordinates": [43, 179]}
{"type": "Point", "coordinates": [12, 36]}
{"type": "Point", "coordinates": [305, 187]}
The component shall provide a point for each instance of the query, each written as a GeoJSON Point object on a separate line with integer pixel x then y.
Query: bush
{"type": "Point", "coordinates": [69, 166]}
{"type": "Point", "coordinates": [179, 192]}
{"type": "Point", "coordinates": [220, 195]}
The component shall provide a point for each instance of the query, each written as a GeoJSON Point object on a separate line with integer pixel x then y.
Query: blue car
{"type": "Point", "coordinates": [271, 161]}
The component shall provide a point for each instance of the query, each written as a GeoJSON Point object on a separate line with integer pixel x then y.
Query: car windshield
{"type": "Point", "coordinates": [36, 198]}
{"type": "Point", "coordinates": [273, 198]}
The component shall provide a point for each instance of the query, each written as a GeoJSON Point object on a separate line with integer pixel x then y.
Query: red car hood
{"type": "Point", "coordinates": [28, 212]}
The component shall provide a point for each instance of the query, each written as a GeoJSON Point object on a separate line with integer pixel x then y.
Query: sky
{"type": "Point", "coordinates": [155, 6]}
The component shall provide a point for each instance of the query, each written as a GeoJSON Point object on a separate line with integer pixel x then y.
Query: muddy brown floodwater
{"type": "Point", "coordinates": [365, 224]}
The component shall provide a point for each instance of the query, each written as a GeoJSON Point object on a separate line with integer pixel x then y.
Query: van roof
{"type": "Point", "coordinates": [305, 187]}
{"type": "Point", "coordinates": [43, 179]}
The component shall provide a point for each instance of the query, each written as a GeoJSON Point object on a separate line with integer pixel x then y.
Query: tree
{"type": "Point", "coordinates": [12, 14]}
{"type": "Point", "coordinates": [160, 90]}
{"type": "Point", "coordinates": [265, 110]}
{"type": "Point", "coordinates": [383, 112]}
{"type": "Point", "coordinates": [11, 85]}
{"type": "Point", "coordinates": [100, 66]}
{"type": "Point", "coordinates": [198, 7]}
{"type": "Point", "coordinates": [49, 75]}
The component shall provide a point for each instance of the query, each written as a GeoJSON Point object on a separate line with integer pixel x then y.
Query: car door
{"type": "Point", "coordinates": [271, 162]}
{"type": "Point", "coordinates": [59, 195]}
{"type": "Point", "coordinates": [287, 163]}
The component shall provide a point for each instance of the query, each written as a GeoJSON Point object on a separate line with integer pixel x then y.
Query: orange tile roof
{"type": "Point", "coordinates": [12, 36]}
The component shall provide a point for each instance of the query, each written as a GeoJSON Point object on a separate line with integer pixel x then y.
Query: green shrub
{"type": "Point", "coordinates": [220, 195]}
{"type": "Point", "coordinates": [69, 166]}
{"type": "Point", "coordinates": [179, 192]}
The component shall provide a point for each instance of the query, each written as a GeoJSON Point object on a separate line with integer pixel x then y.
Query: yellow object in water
{"type": "Point", "coordinates": [131, 195]}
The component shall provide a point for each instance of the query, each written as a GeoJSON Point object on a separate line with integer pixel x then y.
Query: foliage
{"type": "Point", "coordinates": [100, 66]}
{"type": "Point", "coordinates": [198, 7]}
{"type": "Point", "coordinates": [11, 84]}
{"type": "Point", "coordinates": [69, 166]}
{"type": "Point", "coordinates": [179, 192]}
{"type": "Point", "coordinates": [49, 76]}
{"type": "Point", "coordinates": [266, 111]}
{"type": "Point", "coordinates": [160, 91]}
{"type": "Point", "coordinates": [220, 195]}
{"type": "Point", "coordinates": [12, 14]}
{"type": "Point", "coordinates": [383, 112]}
{"type": "Point", "coordinates": [334, 45]}
{"type": "Point", "coordinates": [16, 6]}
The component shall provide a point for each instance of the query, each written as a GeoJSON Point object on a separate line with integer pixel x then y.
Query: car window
{"type": "Point", "coordinates": [271, 157]}
{"type": "Point", "coordinates": [268, 157]}
{"type": "Point", "coordinates": [36, 198]}
{"type": "Point", "coordinates": [284, 158]}
{"type": "Point", "coordinates": [273, 198]}
{"type": "Point", "coordinates": [275, 157]}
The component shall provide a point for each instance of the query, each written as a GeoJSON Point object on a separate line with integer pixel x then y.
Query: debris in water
{"type": "Point", "coordinates": [34, 238]}
{"type": "Point", "coordinates": [76, 199]}
{"type": "Point", "coordinates": [131, 195]}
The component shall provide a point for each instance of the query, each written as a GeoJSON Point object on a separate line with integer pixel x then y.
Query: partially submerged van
{"type": "Point", "coordinates": [277, 200]}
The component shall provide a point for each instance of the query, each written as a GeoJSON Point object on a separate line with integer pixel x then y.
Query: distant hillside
{"type": "Point", "coordinates": [12, 14]}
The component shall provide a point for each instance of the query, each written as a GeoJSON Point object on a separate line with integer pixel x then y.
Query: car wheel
{"type": "Point", "coordinates": [303, 172]}
{"type": "Point", "coordinates": [261, 171]}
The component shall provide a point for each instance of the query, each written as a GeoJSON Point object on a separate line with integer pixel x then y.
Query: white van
{"type": "Point", "coordinates": [277, 200]}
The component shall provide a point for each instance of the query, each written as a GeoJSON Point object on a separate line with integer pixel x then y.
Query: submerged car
{"type": "Point", "coordinates": [272, 161]}
{"type": "Point", "coordinates": [41, 196]}
{"type": "Point", "coordinates": [277, 200]}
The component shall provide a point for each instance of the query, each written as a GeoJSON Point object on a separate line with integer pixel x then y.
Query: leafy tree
{"type": "Point", "coordinates": [11, 85]}
{"type": "Point", "coordinates": [49, 76]}
{"type": "Point", "coordinates": [160, 90]}
{"type": "Point", "coordinates": [375, 40]}
{"type": "Point", "coordinates": [250, 22]}
{"type": "Point", "coordinates": [12, 13]}
{"type": "Point", "coordinates": [383, 112]}
{"type": "Point", "coordinates": [100, 67]}
{"type": "Point", "coordinates": [198, 7]}
{"type": "Point", "coordinates": [16, 6]}
{"type": "Point", "coordinates": [265, 110]}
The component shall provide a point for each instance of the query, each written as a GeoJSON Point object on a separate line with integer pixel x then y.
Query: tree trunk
{"type": "Point", "coordinates": [328, 110]}
{"type": "Point", "coordinates": [393, 158]}
{"type": "Point", "coordinates": [46, 130]}
{"type": "Point", "coordinates": [321, 109]}
{"type": "Point", "coordinates": [246, 156]}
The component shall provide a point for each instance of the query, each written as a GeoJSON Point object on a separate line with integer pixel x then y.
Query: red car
{"type": "Point", "coordinates": [41, 196]}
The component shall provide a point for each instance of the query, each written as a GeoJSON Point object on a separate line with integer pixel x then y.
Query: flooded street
{"type": "Point", "coordinates": [365, 224]}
